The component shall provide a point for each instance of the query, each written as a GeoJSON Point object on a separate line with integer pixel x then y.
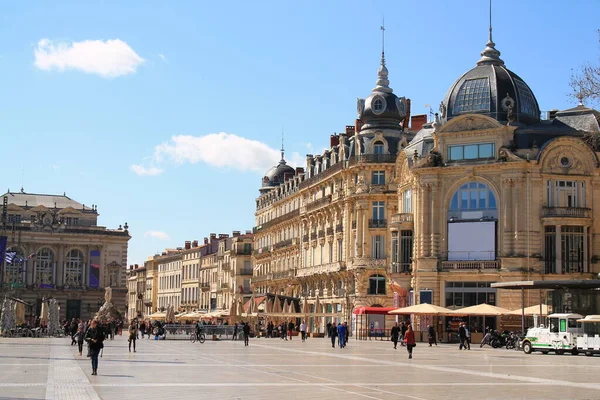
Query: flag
{"type": "Point", "coordinates": [9, 257]}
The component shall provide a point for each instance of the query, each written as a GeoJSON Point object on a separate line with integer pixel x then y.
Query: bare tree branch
{"type": "Point", "coordinates": [585, 82]}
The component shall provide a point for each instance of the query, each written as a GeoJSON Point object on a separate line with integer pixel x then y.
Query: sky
{"type": "Point", "coordinates": [166, 114]}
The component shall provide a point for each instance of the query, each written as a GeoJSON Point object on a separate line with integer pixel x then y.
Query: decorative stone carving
{"type": "Point", "coordinates": [469, 123]}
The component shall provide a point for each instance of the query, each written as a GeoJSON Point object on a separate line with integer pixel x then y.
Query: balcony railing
{"type": "Point", "coordinates": [322, 175]}
{"type": "Point", "coordinates": [226, 266]}
{"type": "Point", "coordinates": [275, 221]}
{"type": "Point", "coordinates": [329, 231]}
{"type": "Point", "coordinates": [318, 203]}
{"type": "Point", "coordinates": [262, 251]}
{"type": "Point", "coordinates": [367, 262]}
{"type": "Point", "coordinates": [246, 271]}
{"type": "Point", "coordinates": [244, 252]}
{"type": "Point", "coordinates": [321, 233]}
{"type": "Point", "coordinates": [284, 274]}
{"type": "Point", "coordinates": [284, 243]}
{"type": "Point", "coordinates": [402, 217]}
{"type": "Point", "coordinates": [372, 159]}
{"type": "Point", "coordinates": [377, 223]}
{"type": "Point", "coordinates": [321, 269]}
{"type": "Point", "coordinates": [204, 285]}
{"type": "Point", "coordinates": [471, 264]}
{"type": "Point", "coordinates": [339, 228]}
{"type": "Point", "coordinates": [313, 236]}
{"type": "Point", "coordinates": [566, 212]}
{"type": "Point", "coordinates": [224, 285]}
{"type": "Point", "coordinates": [305, 238]}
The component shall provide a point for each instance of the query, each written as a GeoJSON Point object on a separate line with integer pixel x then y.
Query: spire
{"type": "Point", "coordinates": [282, 148]}
{"type": "Point", "coordinates": [382, 73]}
{"type": "Point", "coordinates": [490, 55]}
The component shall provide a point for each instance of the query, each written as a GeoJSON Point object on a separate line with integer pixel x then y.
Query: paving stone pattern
{"type": "Point", "coordinates": [272, 368]}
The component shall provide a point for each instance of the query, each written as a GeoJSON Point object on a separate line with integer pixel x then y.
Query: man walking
{"type": "Point", "coordinates": [235, 331]}
{"type": "Point", "coordinates": [341, 331]}
{"type": "Point", "coordinates": [462, 335]}
{"type": "Point", "coordinates": [432, 336]}
{"type": "Point", "coordinates": [468, 338]}
{"type": "Point", "coordinates": [395, 334]}
{"type": "Point", "coordinates": [246, 330]}
{"type": "Point", "coordinates": [303, 330]}
{"type": "Point", "coordinates": [332, 334]}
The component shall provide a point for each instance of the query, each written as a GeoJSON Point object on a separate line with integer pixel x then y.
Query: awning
{"type": "Point", "coordinates": [157, 315]}
{"type": "Point", "coordinates": [483, 310]}
{"type": "Point", "coordinates": [372, 310]}
{"type": "Point", "coordinates": [423, 309]}
{"type": "Point", "coordinates": [530, 310]}
{"type": "Point", "coordinates": [257, 301]}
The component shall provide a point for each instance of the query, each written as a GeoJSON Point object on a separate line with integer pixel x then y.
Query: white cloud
{"type": "Point", "coordinates": [163, 57]}
{"type": "Point", "coordinates": [143, 171]}
{"type": "Point", "coordinates": [109, 59]}
{"type": "Point", "coordinates": [157, 235]}
{"type": "Point", "coordinates": [222, 150]}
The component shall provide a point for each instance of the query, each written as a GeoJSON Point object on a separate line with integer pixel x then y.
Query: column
{"type": "Point", "coordinates": [435, 222]}
{"type": "Point", "coordinates": [359, 230]}
{"type": "Point", "coordinates": [506, 217]}
{"type": "Point", "coordinates": [29, 265]}
{"type": "Point", "coordinates": [517, 217]}
{"type": "Point", "coordinates": [425, 208]}
{"type": "Point", "coordinates": [558, 249]}
{"type": "Point", "coordinates": [365, 227]}
{"type": "Point", "coordinates": [586, 230]}
{"type": "Point", "coordinates": [60, 270]}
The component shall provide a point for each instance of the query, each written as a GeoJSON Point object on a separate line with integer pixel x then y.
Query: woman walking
{"type": "Point", "coordinates": [409, 339]}
{"type": "Point", "coordinates": [95, 339]}
{"type": "Point", "coordinates": [133, 330]}
{"type": "Point", "coordinates": [79, 336]}
{"type": "Point", "coordinates": [395, 333]}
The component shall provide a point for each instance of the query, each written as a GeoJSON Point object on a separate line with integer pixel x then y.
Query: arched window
{"type": "Point", "coordinates": [44, 267]}
{"type": "Point", "coordinates": [376, 284]}
{"type": "Point", "coordinates": [378, 147]}
{"type": "Point", "coordinates": [473, 196]}
{"type": "Point", "coordinates": [74, 268]}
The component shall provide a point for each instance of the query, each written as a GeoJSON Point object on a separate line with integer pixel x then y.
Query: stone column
{"type": "Point", "coordinates": [558, 249]}
{"type": "Point", "coordinates": [59, 279]}
{"type": "Point", "coordinates": [507, 217]}
{"type": "Point", "coordinates": [365, 230]}
{"type": "Point", "coordinates": [359, 229]}
{"type": "Point", "coordinates": [29, 266]}
{"type": "Point", "coordinates": [518, 223]}
{"type": "Point", "coordinates": [425, 209]}
{"type": "Point", "coordinates": [586, 230]}
{"type": "Point", "coordinates": [435, 222]}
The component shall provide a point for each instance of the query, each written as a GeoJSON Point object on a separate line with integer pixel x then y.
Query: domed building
{"type": "Point", "coordinates": [499, 191]}
{"type": "Point", "coordinates": [277, 175]}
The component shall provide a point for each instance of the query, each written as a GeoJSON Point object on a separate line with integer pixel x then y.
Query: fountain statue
{"type": "Point", "coordinates": [108, 311]}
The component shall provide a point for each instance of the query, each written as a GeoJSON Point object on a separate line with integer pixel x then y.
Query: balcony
{"type": "Point", "coordinates": [322, 175]}
{"type": "Point", "coordinates": [226, 266]}
{"type": "Point", "coordinates": [401, 218]}
{"type": "Point", "coordinates": [246, 272]}
{"type": "Point", "coordinates": [262, 278]}
{"type": "Point", "coordinates": [224, 285]}
{"type": "Point", "coordinates": [284, 274]}
{"type": "Point", "coordinates": [321, 269]}
{"type": "Point", "coordinates": [204, 286]}
{"type": "Point", "coordinates": [305, 238]}
{"type": "Point", "coordinates": [284, 243]}
{"type": "Point", "coordinates": [329, 231]}
{"type": "Point", "coordinates": [262, 251]}
{"type": "Point", "coordinates": [476, 265]}
{"type": "Point", "coordinates": [285, 217]}
{"type": "Point", "coordinates": [372, 159]}
{"type": "Point", "coordinates": [367, 262]}
{"type": "Point", "coordinates": [313, 236]}
{"type": "Point", "coordinates": [378, 223]}
{"type": "Point", "coordinates": [244, 252]}
{"type": "Point", "coordinates": [339, 228]}
{"type": "Point", "coordinates": [318, 203]}
{"type": "Point", "coordinates": [566, 212]}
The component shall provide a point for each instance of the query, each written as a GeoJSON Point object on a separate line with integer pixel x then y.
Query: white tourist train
{"type": "Point", "coordinates": [559, 336]}
{"type": "Point", "coordinates": [588, 341]}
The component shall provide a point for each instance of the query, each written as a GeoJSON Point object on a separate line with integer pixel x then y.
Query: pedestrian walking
{"type": "Point", "coordinates": [341, 331]}
{"type": "Point", "coordinates": [133, 330]}
{"type": "Point", "coordinates": [332, 334]}
{"type": "Point", "coordinates": [142, 329]}
{"type": "Point", "coordinates": [468, 337]}
{"type": "Point", "coordinates": [402, 332]}
{"type": "Point", "coordinates": [395, 334]}
{"type": "Point", "coordinates": [95, 339]}
{"type": "Point", "coordinates": [462, 335]}
{"type": "Point", "coordinates": [290, 329]}
{"type": "Point", "coordinates": [409, 339]}
{"type": "Point", "coordinates": [80, 336]}
{"type": "Point", "coordinates": [432, 335]}
{"type": "Point", "coordinates": [235, 331]}
{"type": "Point", "coordinates": [328, 329]}
{"type": "Point", "coordinates": [303, 330]}
{"type": "Point", "coordinates": [246, 330]}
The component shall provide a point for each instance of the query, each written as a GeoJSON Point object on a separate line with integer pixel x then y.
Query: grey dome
{"type": "Point", "coordinates": [491, 89]}
{"type": "Point", "coordinates": [277, 175]}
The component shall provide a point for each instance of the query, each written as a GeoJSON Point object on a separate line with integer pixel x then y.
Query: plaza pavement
{"type": "Point", "coordinates": [275, 369]}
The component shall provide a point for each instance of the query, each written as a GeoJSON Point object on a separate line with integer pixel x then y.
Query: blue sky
{"type": "Point", "coordinates": [166, 114]}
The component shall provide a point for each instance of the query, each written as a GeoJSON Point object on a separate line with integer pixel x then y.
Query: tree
{"type": "Point", "coordinates": [585, 82]}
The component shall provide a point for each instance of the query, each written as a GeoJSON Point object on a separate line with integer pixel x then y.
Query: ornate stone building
{"type": "Point", "coordinates": [322, 233]}
{"type": "Point", "coordinates": [62, 253]}
{"type": "Point", "coordinates": [493, 192]}
{"type": "Point", "coordinates": [136, 290]}
{"type": "Point", "coordinates": [488, 192]}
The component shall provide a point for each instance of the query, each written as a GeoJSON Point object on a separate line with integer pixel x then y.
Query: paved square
{"type": "Point", "coordinates": [271, 368]}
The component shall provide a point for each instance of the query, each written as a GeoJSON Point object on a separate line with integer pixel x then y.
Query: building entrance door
{"type": "Point", "coordinates": [73, 309]}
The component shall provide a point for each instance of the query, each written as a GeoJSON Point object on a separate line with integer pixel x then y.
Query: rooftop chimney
{"type": "Point", "coordinates": [205, 240]}
{"type": "Point", "coordinates": [350, 130]}
{"type": "Point", "coordinates": [213, 236]}
{"type": "Point", "coordinates": [223, 235]}
{"type": "Point", "coordinates": [188, 245]}
{"type": "Point", "coordinates": [235, 233]}
{"type": "Point", "coordinates": [417, 122]}
{"type": "Point", "coordinates": [334, 140]}
{"type": "Point", "coordinates": [299, 170]}
{"type": "Point", "coordinates": [358, 125]}
{"type": "Point", "coordinates": [194, 244]}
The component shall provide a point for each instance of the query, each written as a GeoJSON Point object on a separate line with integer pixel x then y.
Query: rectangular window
{"type": "Point", "coordinates": [378, 210]}
{"type": "Point", "coordinates": [406, 250]}
{"type": "Point", "coordinates": [550, 250]}
{"type": "Point", "coordinates": [395, 258]}
{"type": "Point", "coordinates": [378, 178]}
{"type": "Point", "coordinates": [340, 254]}
{"type": "Point", "coordinates": [330, 252]}
{"type": "Point", "coordinates": [377, 247]}
{"type": "Point", "coordinates": [572, 242]}
{"type": "Point", "coordinates": [407, 201]}
{"type": "Point", "coordinates": [471, 152]}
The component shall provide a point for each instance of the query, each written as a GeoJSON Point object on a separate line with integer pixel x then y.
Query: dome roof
{"type": "Point", "coordinates": [382, 108]}
{"type": "Point", "coordinates": [493, 90]}
{"type": "Point", "coordinates": [277, 175]}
